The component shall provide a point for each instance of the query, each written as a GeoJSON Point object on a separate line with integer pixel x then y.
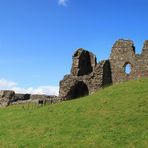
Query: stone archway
{"type": "Point", "coordinates": [80, 89]}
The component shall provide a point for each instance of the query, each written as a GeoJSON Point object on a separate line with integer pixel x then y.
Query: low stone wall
{"type": "Point", "coordinates": [45, 99]}
{"type": "Point", "coordinates": [8, 97]}
{"type": "Point", "coordinates": [22, 97]}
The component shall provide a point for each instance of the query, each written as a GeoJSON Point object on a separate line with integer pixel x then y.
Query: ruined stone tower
{"type": "Point", "coordinates": [123, 53]}
{"type": "Point", "coordinates": [87, 75]}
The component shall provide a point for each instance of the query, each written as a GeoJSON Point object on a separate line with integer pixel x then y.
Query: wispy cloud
{"type": "Point", "coordinates": [63, 2]}
{"type": "Point", "coordinates": [6, 84]}
{"type": "Point", "coordinates": [47, 90]}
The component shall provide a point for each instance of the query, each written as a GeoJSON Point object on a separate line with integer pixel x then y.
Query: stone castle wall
{"type": "Point", "coordinates": [87, 75]}
{"type": "Point", "coordinates": [8, 97]}
{"type": "Point", "coordinates": [123, 53]}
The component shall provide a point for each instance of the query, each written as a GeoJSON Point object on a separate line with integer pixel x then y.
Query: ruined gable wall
{"type": "Point", "coordinates": [84, 62]}
{"type": "Point", "coordinates": [142, 61]}
{"type": "Point", "coordinates": [86, 75]}
{"type": "Point", "coordinates": [123, 53]}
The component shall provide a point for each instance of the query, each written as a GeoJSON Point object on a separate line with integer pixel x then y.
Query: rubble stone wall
{"type": "Point", "coordinates": [8, 97]}
{"type": "Point", "coordinates": [123, 53]}
{"type": "Point", "coordinates": [75, 85]}
{"type": "Point", "coordinates": [87, 75]}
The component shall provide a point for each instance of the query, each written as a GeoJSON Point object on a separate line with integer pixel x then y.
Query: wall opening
{"type": "Point", "coordinates": [107, 78]}
{"type": "Point", "coordinates": [78, 90]}
{"type": "Point", "coordinates": [127, 68]}
{"type": "Point", "coordinates": [84, 64]}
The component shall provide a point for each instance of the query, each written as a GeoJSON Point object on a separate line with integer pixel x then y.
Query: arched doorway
{"type": "Point", "coordinates": [80, 89]}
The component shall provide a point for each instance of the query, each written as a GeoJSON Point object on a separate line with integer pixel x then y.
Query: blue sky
{"type": "Point", "coordinates": [38, 37]}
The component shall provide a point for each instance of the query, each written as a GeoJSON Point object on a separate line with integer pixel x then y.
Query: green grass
{"type": "Point", "coordinates": [114, 117]}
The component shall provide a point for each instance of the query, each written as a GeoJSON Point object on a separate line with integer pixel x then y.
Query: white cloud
{"type": "Point", "coordinates": [47, 90]}
{"type": "Point", "coordinates": [6, 84]}
{"type": "Point", "coordinates": [62, 2]}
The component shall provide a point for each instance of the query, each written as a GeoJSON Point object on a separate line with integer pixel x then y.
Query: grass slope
{"type": "Point", "coordinates": [114, 117]}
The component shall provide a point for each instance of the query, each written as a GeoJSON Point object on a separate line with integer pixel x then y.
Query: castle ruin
{"type": "Point", "coordinates": [87, 75]}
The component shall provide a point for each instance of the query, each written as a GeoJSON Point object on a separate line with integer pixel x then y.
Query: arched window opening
{"type": "Point", "coordinates": [78, 90]}
{"type": "Point", "coordinates": [127, 68]}
{"type": "Point", "coordinates": [85, 66]}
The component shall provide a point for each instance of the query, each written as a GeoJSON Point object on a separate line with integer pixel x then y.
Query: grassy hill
{"type": "Point", "coordinates": [115, 117]}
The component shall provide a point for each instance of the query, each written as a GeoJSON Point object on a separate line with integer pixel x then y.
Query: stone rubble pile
{"type": "Point", "coordinates": [8, 97]}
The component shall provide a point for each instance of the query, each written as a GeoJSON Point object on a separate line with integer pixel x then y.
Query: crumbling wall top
{"type": "Point", "coordinates": [121, 49]}
{"type": "Point", "coordinates": [84, 62]}
{"type": "Point", "coordinates": [145, 48]}
{"type": "Point", "coordinates": [122, 44]}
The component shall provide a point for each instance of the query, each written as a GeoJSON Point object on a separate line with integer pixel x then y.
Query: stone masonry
{"type": "Point", "coordinates": [8, 97]}
{"type": "Point", "coordinates": [123, 53]}
{"type": "Point", "coordinates": [87, 75]}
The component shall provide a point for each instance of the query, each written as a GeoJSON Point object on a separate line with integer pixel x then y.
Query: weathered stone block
{"type": "Point", "coordinates": [22, 97]}
{"type": "Point", "coordinates": [6, 97]}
